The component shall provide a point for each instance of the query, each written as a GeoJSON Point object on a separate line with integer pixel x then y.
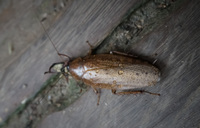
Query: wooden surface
{"type": "Point", "coordinates": [174, 44]}
{"type": "Point", "coordinates": [20, 25]}
{"type": "Point", "coordinates": [22, 76]}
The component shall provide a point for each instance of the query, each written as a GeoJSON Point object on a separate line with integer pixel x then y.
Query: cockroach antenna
{"type": "Point", "coordinates": [60, 55]}
{"type": "Point", "coordinates": [47, 34]}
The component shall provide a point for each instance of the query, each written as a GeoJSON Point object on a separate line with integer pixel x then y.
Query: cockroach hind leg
{"type": "Point", "coordinates": [90, 51]}
{"type": "Point", "coordinates": [98, 92]}
{"type": "Point", "coordinates": [133, 92]}
{"type": "Point", "coordinates": [123, 54]}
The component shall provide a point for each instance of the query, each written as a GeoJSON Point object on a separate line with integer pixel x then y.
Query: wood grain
{"type": "Point", "coordinates": [175, 45]}
{"type": "Point", "coordinates": [82, 20]}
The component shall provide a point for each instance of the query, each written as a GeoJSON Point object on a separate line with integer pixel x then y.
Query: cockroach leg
{"type": "Point", "coordinates": [133, 92]}
{"type": "Point", "coordinates": [90, 52]}
{"type": "Point", "coordinates": [113, 91]}
{"type": "Point", "coordinates": [66, 78]}
{"type": "Point", "coordinates": [121, 53]}
{"type": "Point", "coordinates": [98, 92]}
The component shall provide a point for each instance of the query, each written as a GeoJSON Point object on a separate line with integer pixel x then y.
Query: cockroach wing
{"type": "Point", "coordinates": [129, 76]}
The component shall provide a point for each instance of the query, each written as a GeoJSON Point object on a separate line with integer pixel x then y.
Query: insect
{"type": "Point", "coordinates": [118, 72]}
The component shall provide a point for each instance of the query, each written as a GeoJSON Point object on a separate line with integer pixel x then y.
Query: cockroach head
{"type": "Point", "coordinates": [58, 67]}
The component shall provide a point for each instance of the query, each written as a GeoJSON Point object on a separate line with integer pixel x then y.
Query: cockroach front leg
{"type": "Point", "coordinates": [98, 92]}
{"type": "Point", "coordinates": [114, 91]}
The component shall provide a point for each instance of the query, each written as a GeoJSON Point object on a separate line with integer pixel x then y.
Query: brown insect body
{"type": "Point", "coordinates": [116, 72]}
{"type": "Point", "coordinates": [111, 71]}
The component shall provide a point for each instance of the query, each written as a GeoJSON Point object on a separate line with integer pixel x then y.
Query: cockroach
{"type": "Point", "coordinates": [118, 72]}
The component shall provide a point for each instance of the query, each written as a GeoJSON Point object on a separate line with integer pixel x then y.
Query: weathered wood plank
{"type": "Point", "coordinates": [175, 45]}
{"type": "Point", "coordinates": [20, 27]}
{"type": "Point", "coordinates": [83, 20]}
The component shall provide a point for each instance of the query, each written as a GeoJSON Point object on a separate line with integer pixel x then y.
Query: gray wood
{"type": "Point", "coordinates": [20, 27]}
{"type": "Point", "coordinates": [83, 20]}
{"type": "Point", "coordinates": [176, 43]}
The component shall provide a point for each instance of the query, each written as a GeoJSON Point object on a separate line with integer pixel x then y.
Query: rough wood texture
{"type": "Point", "coordinates": [20, 27]}
{"type": "Point", "coordinates": [176, 45]}
{"type": "Point", "coordinates": [83, 20]}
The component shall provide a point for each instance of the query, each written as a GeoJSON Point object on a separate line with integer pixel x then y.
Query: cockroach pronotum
{"type": "Point", "coordinates": [117, 72]}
